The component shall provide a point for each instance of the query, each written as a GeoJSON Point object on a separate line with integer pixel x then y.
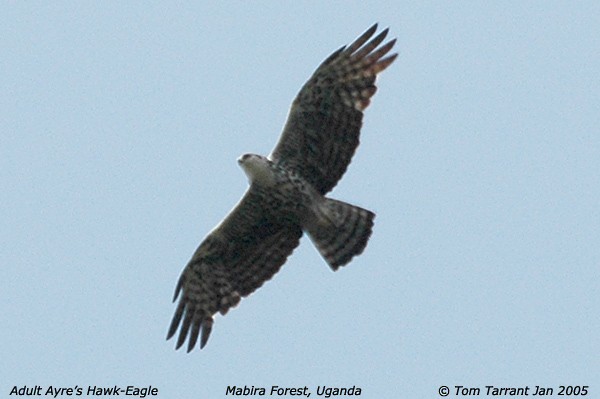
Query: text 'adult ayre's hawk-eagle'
{"type": "Point", "coordinates": [287, 191]}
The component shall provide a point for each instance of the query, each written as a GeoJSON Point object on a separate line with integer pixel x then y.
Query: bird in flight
{"type": "Point", "coordinates": [286, 194]}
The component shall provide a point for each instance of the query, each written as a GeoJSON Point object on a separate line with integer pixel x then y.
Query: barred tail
{"type": "Point", "coordinates": [341, 231]}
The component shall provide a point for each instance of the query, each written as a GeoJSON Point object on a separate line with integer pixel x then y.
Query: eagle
{"type": "Point", "coordinates": [286, 194]}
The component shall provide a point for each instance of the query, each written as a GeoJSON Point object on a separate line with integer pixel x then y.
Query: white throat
{"type": "Point", "coordinates": [257, 169]}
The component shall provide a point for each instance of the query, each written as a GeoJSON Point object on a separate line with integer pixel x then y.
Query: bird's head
{"type": "Point", "coordinates": [258, 168]}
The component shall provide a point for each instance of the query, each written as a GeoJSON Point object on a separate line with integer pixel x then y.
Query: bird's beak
{"type": "Point", "coordinates": [240, 160]}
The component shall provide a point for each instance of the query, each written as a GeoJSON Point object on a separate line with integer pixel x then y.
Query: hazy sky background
{"type": "Point", "coordinates": [120, 127]}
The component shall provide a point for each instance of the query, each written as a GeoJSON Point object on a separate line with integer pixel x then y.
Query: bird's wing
{"type": "Point", "coordinates": [237, 257]}
{"type": "Point", "coordinates": [323, 126]}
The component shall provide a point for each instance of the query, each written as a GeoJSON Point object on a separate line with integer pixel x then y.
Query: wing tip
{"type": "Point", "coordinates": [373, 28]}
{"type": "Point", "coordinates": [178, 287]}
{"type": "Point", "coordinates": [176, 320]}
{"type": "Point", "coordinates": [383, 63]}
{"type": "Point", "coordinates": [365, 46]}
{"type": "Point", "coordinates": [199, 329]}
{"type": "Point", "coordinates": [206, 329]}
{"type": "Point", "coordinates": [362, 39]}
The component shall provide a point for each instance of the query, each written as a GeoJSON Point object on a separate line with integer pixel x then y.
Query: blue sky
{"type": "Point", "coordinates": [120, 126]}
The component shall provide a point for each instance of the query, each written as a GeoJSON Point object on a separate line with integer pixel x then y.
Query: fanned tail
{"type": "Point", "coordinates": [341, 231]}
